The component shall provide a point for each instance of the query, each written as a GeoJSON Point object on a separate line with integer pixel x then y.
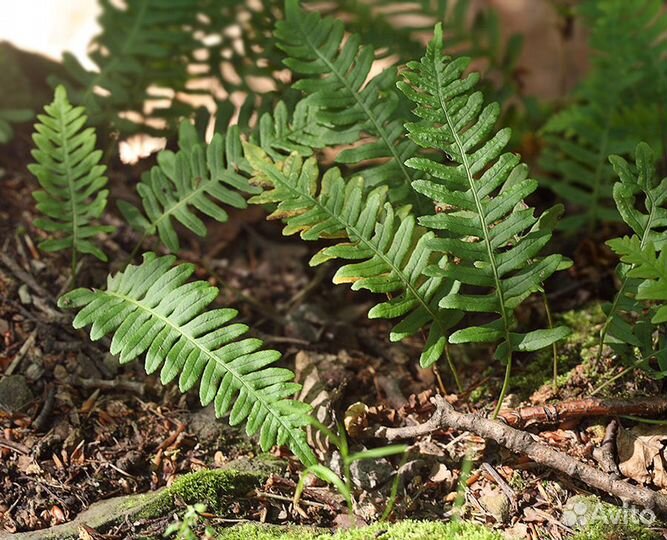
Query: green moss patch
{"type": "Point", "coordinates": [403, 530]}
{"type": "Point", "coordinates": [214, 488]}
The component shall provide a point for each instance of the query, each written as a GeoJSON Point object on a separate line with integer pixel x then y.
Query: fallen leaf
{"type": "Point", "coordinates": [640, 454]}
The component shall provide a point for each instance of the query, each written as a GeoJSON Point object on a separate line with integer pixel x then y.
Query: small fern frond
{"type": "Point", "coordinates": [69, 171]}
{"type": "Point", "coordinates": [152, 308]}
{"type": "Point", "coordinates": [391, 250]}
{"type": "Point", "coordinates": [492, 238]}
{"type": "Point", "coordinates": [196, 178]}
{"type": "Point", "coordinates": [640, 198]}
{"type": "Point", "coordinates": [335, 80]}
{"type": "Point", "coordinates": [202, 176]}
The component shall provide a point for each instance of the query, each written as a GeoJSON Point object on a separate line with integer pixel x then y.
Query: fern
{"type": "Point", "coordinates": [151, 309]}
{"type": "Point", "coordinates": [628, 39]}
{"type": "Point", "coordinates": [491, 238]}
{"type": "Point", "coordinates": [335, 76]}
{"type": "Point", "coordinates": [69, 171]}
{"type": "Point", "coordinates": [640, 198]}
{"type": "Point", "coordinates": [145, 45]}
{"type": "Point", "coordinates": [201, 177]}
{"type": "Point", "coordinates": [390, 249]}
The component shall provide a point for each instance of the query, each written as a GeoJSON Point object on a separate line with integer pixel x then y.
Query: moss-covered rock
{"type": "Point", "coordinates": [215, 488]}
{"type": "Point", "coordinates": [403, 530]}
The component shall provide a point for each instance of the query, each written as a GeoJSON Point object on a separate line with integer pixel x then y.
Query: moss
{"type": "Point", "coordinates": [579, 347]}
{"type": "Point", "coordinates": [403, 530]}
{"type": "Point", "coordinates": [213, 487]}
{"type": "Point", "coordinates": [594, 519]}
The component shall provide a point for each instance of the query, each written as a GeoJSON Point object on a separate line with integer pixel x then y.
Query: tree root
{"type": "Point", "coordinates": [524, 443]}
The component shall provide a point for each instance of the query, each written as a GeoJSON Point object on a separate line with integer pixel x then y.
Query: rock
{"type": "Point", "coordinates": [14, 393]}
{"type": "Point", "coordinates": [497, 504]}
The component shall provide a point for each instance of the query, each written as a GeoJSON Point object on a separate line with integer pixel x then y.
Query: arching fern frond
{"type": "Point", "coordinates": [143, 45]}
{"type": "Point", "coordinates": [640, 198]}
{"type": "Point", "coordinates": [335, 80]}
{"type": "Point", "coordinates": [69, 171]}
{"type": "Point", "coordinates": [390, 249]}
{"type": "Point", "coordinates": [152, 309]}
{"type": "Point", "coordinates": [492, 238]}
{"type": "Point", "coordinates": [627, 38]}
{"type": "Point", "coordinates": [201, 177]}
{"type": "Point", "coordinates": [196, 178]}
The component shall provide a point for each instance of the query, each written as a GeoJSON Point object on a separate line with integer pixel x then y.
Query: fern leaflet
{"type": "Point", "coordinates": [491, 237]}
{"type": "Point", "coordinates": [152, 309]}
{"type": "Point", "coordinates": [648, 265]}
{"type": "Point", "coordinates": [69, 171]}
{"type": "Point", "coordinates": [391, 250]}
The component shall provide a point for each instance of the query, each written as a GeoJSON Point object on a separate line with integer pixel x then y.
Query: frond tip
{"type": "Point", "coordinates": [152, 309]}
{"type": "Point", "coordinates": [68, 169]}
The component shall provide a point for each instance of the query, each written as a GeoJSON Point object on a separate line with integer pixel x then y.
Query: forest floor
{"type": "Point", "coordinates": [77, 428]}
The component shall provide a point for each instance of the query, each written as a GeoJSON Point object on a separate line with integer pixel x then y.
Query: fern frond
{"type": "Point", "coordinates": [144, 45]}
{"type": "Point", "coordinates": [640, 198]}
{"type": "Point", "coordinates": [627, 38]}
{"type": "Point", "coordinates": [391, 250]}
{"type": "Point", "coordinates": [152, 309]}
{"type": "Point", "coordinates": [69, 171]}
{"type": "Point", "coordinates": [335, 79]}
{"type": "Point", "coordinates": [492, 238]}
{"type": "Point", "coordinates": [202, 177]}
{"type": "Point", "coordinates": [196, 178]}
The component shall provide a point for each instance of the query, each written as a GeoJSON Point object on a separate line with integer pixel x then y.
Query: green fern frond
{"type": "Point", "coordinates": [627, 38]}
{"type": "Point", "coordinates": [69, 171]}
{"type": "Point", "coordinates": [640, 198]}
{"type": "Point", "coordinates": [391, 250]}
{"type": "Point", "coordinates": [492, 238]}
{"type": "Point", "coordinates": [201, 177]}
{"type": "Point", "coordinates": [152, 309]}
{"type": "Point", "coordinates": [196, 178]}
{"type": "Point", "coordinates": [144, 45]}
{"type": "Point", "coordinates": [335, 79]}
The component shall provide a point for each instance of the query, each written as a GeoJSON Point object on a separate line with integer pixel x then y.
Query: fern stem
{"type": "Point", "coordinates": [506, 385]}
{"type": "Point", "coordinates": [485, 229]}
{"type": "Point", "coordinates": [554, 347]}
{"type": "Point", "coordinates": [455, 374]}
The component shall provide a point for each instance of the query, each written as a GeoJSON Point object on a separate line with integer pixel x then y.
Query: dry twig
{"type": "Point", "coordinates": [524, 443]}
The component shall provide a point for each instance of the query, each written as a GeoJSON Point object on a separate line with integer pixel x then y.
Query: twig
{"type": "Point", "coordinates": [604, 454]}
{"type": "Point", "coordinates": [580, 408]}
{"type": "Point", "coordinates": [24, 276]}
{"type": "Point", "coordinates": [43, 418]}
{"type": "Point", "coordinates": [524, 443]}
{"type": "Point", "coordinates": [113, 384]}
{"type": "Point", "coordinates": [21, 353]}
{"type": "Point", "coordinates": [12, 445]}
